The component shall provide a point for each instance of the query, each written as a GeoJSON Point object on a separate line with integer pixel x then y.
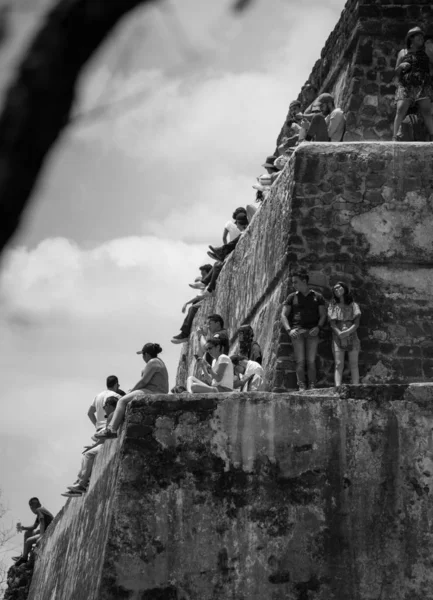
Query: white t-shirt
{"type": "Point", "coordinates": [253, 368]}
{"type": "Point", "coordinates": [233, 230]}
{"type": "Point", "coordinates": [98, 404]}
{"type": "Point", "coordinates": [227, 380]}
{"type": "Point", "coordinates": [336, 123]}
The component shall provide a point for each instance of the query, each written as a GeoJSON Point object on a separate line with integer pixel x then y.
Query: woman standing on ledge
{"type": "Point", "coordinates": [414, 82]}
{"type": "Point", "coordinates": [344, 316]}
{"type": "Point", "coordinates": [154, 380]}
{"type": "Point", "coordinates": [221, 374]}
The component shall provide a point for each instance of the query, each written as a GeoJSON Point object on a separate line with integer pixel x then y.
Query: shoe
{"type": "Point", "coordinates": [179, 339]}
{"type": "Point", "coordinates": [208, 294]}
{"type": "Point", "coordinates": [105, 434]}
{"type": "Point", "coordinates": [197, 286]}
{"type": "Point", "coordinates": [213, 256]}
{"type": "Point", "coordinates": [302, 387]}
{"type": "Point", "coordinates": [217, 252]}
{"type": "Point", "coordinates": [72, 494]}
{"type": "Point", "coordinates": [20, 561]}
{"type": "Point", "coordinates": [77, 488]}
{"type": "Point", "coordinates": [312, 386]}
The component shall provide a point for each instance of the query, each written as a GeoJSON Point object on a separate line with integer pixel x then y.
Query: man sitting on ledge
{"type": "Point", "coordinates": [325, 123]}
{"type": "Point", "coordinates": [250, 373]}
{"type": "Point", "coordinates": [90, 453]}
{"type": "Point", "coordinates": [33, 533]}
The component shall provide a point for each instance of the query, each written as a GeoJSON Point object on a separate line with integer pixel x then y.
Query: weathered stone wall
{"type": "Point", "coordinates": [357, 212]}
{"type": "Point", "coordinates": [358, 60]}
{"type": "Point", "coordinates": [72, 552]}
{"type": "Point", "coordinates": [259, 496]}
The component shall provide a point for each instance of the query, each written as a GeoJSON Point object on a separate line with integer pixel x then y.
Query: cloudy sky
{"type": "Point", "coordinates": [175, 115]}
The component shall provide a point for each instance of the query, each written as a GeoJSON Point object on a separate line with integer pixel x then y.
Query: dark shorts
{"type": "Point", "coordinates": [413, 92]}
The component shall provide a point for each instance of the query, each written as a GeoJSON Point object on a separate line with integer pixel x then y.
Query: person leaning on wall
{"type": "Point", "coordinates": [344, 316]}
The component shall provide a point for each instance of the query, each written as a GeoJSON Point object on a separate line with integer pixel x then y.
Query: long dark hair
{"type": "Point", "coordinates": [248, 337]}
{"type": "Point", "coordinates": [347, 296]}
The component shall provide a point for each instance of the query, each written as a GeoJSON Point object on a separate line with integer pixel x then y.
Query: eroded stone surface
{"type": "Point", "coordinates": [255, 496]}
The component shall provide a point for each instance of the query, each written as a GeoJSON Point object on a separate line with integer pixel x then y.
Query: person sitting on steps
{"type": "Point", "coordinates": [220, 373]}
{"type": "Point", "coordinates": [90, 453]}
{"type": "Point", "coordinates": [247, 344]}
{"type": "Point", "coordinates": [230, 228]}
{"type": "Point", "coordinates": [250, 373]}
{"type": "Point", "coordinates": [33, 533]}
{"type": "Point", "coordinates": [222, 252]}
{"type": "Point", "coordinates": [325, 123]}
{"type": "Point", "coordinates": [154, 380]}
{"type": "Point", "coordinates": [195, 302]}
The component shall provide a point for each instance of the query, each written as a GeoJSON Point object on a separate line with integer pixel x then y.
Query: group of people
{"type": "Point", "coordinates": [312, 118]}
{"type": "Point", "coordinates": [216, 371]}
{"type": "Point", "coordinates": [106, 413]}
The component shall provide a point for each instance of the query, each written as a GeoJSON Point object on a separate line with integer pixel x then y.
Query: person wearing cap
{"type": "Point", "coordinates": [325, 123]}
{"type": "Point", "coordinates": [154, 380]}
{"type": "Point", "coordinates": [414, 81]}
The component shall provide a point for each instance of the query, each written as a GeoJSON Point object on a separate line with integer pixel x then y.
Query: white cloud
{"type": "Point", "coordinates": [118, 277]}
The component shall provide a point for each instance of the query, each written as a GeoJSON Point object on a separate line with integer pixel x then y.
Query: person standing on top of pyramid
{"type": "Point", "coordinates": [414, 81]}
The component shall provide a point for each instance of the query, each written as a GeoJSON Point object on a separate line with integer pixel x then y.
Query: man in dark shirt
{"type": "Point", "coordinates": [33, 533]}
{"type": "Point", "coordinates": [302, 317]}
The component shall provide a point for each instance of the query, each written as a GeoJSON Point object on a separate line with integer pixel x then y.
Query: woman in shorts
{"type": "Point", "coordinates": [344, 315]}
{"type": "Point", "coordinates": [414, 81]}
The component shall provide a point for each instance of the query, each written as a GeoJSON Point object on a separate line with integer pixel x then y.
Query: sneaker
{"type": "Point", "coordinates": [105, 434]}
{"type": "Point", "coordinates": [77, 488]}
{"type": "Point", "coordinates": [302, 387]}
{"type": "Point", "coordinates": [72, 494]}
{"type": "Point", "coordinates": [312, 386]}
{"type": "Point", "coordinates": [197, 286]}
{"type": "Point", "coordinates": [179, 339]}
{"type": "Point", "coordinates": [214, 256]}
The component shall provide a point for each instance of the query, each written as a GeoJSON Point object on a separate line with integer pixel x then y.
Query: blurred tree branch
{"type": "Point", "coordinates": [38, 103]}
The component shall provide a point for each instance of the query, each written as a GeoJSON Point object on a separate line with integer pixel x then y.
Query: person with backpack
{"type": "Point", "coordinates": [414, 81]}
{"type": "Point", "coordinates": [302, 317]}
